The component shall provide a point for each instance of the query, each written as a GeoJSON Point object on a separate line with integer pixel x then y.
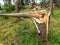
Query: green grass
{"type": "Point", "coordinates": [22, 31]}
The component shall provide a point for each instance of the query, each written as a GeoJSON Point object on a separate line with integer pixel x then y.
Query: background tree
{"type": "Point", "coordinates": [7, 2]}
{"type": "Point", "coordinates": [56, 3]}
{"type": "Point", "coordinates": [27, 2]}
{"type": "Point", "coordinates": [51, 6]}
{"type": "Point", "coordinates": [17, 5]}
{"type": "Point", "coordinates": [33, 3]}
{"type": "Point", "coordinates": [44, 3]}
{"type": "Point", "coordinates": [8, 7]}
{"type": "Point", "coordinates": [0, 7]}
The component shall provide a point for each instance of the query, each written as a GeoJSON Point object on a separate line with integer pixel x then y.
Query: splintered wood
{"type": "Point", "coordinates": [40, 19]}
{"type": "Point", "coordinates": [41, 23]}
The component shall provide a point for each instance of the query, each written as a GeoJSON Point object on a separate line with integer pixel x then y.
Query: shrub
{"type": "Point", "coordinates": [8, 8]}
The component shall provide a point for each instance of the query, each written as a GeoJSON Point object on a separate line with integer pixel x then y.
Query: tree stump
{"type": "Point", "coordinates": [42, 28]}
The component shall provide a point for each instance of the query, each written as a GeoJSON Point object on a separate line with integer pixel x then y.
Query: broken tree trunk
{"type": "Point", "coordinates": [42, 28]}
{"type": "Point", "coordinates": [25, 14]}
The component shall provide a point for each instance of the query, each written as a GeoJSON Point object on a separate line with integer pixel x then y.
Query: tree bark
{"type": "Point", "coordinates": [49, 18]}
{"type": "Point", "coordinates": [33, 4]}
{"type": "Point", "coordinates": [17, 4]}
{"type": "Point", "coordinates": [51, 6]}
{"type": "Point", "coordinates": [25, 14]}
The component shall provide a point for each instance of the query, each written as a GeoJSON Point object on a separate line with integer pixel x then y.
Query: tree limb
{"type": "Point", "coordinates": [25, 14]}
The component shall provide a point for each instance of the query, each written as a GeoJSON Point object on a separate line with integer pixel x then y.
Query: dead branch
{"type": "Point", "coordinates": [25, 14]}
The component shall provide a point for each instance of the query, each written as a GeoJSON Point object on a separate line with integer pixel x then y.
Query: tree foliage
{"type": "Point", "coordinates": [57, 3]}
{"type": "Point", "coordinates": [8, 8]}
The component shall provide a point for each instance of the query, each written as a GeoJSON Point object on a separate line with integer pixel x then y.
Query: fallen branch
{"type": "Point", "coordinates": [25, 14]}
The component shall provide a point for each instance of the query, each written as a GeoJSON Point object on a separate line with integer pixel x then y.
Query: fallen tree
{"type": "Point", "coordinates": [25, 14]}
{"type": "Point", "coordinates": [42, 27]}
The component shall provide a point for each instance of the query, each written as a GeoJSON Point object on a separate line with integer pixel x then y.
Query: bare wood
{"type": "Point", "coordinates": [25, 14]}
{"type": "Point", "coordinates": [36, 25]}
{"type": "Point", "coordinates": [47, 24]}
{"type": "Point", "coordinates": [48, 18]}
{"type": "Point", "coordinates": [17, 4]}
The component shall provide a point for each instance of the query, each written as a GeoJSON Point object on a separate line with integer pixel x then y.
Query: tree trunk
{"type": "Point", "coordinates": [33, 4]}
{"type": "Point", "coordinates": [43, 3]}
{"type": "Point", "coordinates": [17, 4]}
{"type": "Point", "coordinates": [51, 6]}
{"type": "Point", "coordinates": [7, 2]}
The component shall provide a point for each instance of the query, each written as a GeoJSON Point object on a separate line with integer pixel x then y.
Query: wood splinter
{"type": "Point", "coordinates": [43, 21]}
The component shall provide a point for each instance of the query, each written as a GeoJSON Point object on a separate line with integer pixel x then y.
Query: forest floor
{"type": "Point", "coordinates": [22, 31]}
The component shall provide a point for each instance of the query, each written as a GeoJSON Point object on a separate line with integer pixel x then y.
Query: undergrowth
{"type": "Point", "coordinates": [22, 31]}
